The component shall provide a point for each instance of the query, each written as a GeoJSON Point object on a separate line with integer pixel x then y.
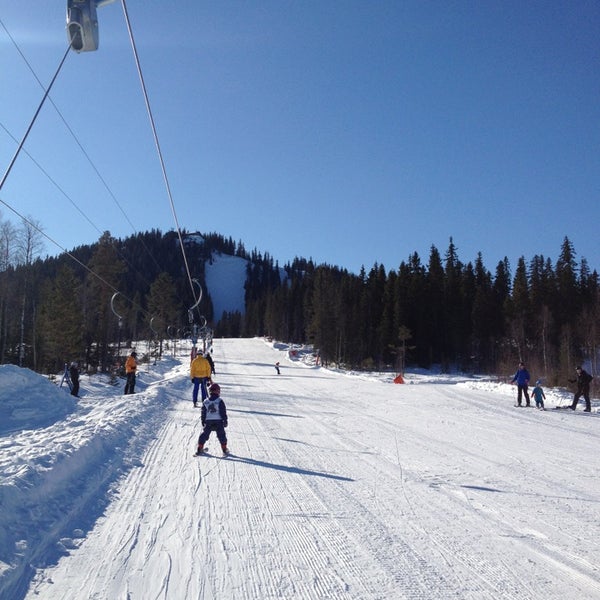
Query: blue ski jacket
{"type": "Point", "coordinates": [521, 377]}
{"type": "Point", "coordinates": [538, 394]}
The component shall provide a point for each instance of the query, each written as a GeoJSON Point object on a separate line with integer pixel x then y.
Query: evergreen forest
{"type": "Point", "coordinates": [88, 303]}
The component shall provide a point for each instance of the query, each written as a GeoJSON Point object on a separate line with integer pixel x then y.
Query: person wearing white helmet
{"type": "Point", "coordinates": [214, 418]}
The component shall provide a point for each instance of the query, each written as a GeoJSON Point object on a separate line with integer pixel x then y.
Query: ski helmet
{"type": "Point", "coordinates": [214, 388]}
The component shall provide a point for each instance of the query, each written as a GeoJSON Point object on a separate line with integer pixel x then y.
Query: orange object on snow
{"type": "Point", "coordinates": [399, 379]}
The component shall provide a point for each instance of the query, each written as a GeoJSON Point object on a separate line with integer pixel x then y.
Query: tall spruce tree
{"type": "Point", "coordinates": [101, 325]}
{"type": "Point", "coordinates": [60, 320]}
{"type": "Point", "coordinates": [164, 309]}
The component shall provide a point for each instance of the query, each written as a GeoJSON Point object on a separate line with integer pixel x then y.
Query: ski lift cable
{"type": "Point", "coordinates": [83, 150]}
{"type": "Point", "coordinates": [90, 161]}
{"type": "Point", "coordinates": [20, 148]}
{"type": "Point", "coordinates": [69, 254]}
{"type": "Point", "coordinates": [74, 258]}
{"type": "Point", "coordinates": [35, 116]}
{"type": "Point", "coordinates": [53, 181]}
{"type": "Point", "coordinates": [158, 148]}
{"type": "Point", "coordinates": [74, 204]}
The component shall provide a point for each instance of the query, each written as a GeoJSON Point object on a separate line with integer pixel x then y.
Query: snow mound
{"type": "Point", "coordinates": [29, 401]}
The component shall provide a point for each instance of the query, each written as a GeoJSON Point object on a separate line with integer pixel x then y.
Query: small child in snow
{"type": "Point", "coordinates": [538, 395]}
{"type": "Point", "coordinates": [214, 418]}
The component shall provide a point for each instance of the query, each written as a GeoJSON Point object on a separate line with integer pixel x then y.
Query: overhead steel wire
{"type": "Point", "coordinates": [158, 149]}
{"type": "Point", "coordinates": [84, 152]}
{"type": "Point", "coordinates": [60, 189]}
{"type": "Point", "coordinates": [35, 116]}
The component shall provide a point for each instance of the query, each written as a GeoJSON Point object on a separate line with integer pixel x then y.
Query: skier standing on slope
{"type": "Point", "coordinates": [214, 418]}
{"type": "Point", "coordinates": [583, 389]}
{"type": "Point", "coordinates": [522, 378]}
{"type": "Point", "coordinates": [74, 374]}
{"type": "Point", "coordinates": [538, 395]}
{"type": "Point", "coordinates": [200, 372]}
{"type": "Point", "coordinates": [130, 370]}
{"type": "Point", "coordinates": [211, 362]}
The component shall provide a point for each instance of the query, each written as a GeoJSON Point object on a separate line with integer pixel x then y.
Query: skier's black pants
{"type": "Point", "coordinates": [130, 385]}
{"type": "Point", "coordinates": [522, 389]}
{"type": "Point", "coordinates": [213, 426]}
{"type": "Point", "coordinates": [586, 396]}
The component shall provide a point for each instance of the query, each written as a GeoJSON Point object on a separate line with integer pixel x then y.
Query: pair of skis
{"type": "Point", "coordinates": [205, 452]}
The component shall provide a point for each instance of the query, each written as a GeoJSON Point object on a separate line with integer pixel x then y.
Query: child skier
{"type": "Point", "coordinates": [538, 395]}
{"type": "Point", "coordinates": [214, 418]}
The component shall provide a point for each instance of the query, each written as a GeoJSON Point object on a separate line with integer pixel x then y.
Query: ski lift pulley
{"type": "Point", "coordinates": [82, 24]}
{"type": "Point", "coordinates": [112, 307]}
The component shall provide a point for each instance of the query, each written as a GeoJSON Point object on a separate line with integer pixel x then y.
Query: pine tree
{"type": "Point", "coordinates": [60, 321]}
{"type": "Point", "coordinates": [100, 323]}
{"type": "Point", "coordinates": [163, 307]}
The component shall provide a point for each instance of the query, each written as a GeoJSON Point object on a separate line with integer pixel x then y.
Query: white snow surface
{"type": "Point", "coordinates": [340, 486]}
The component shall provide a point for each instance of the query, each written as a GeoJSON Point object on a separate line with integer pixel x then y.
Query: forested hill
{"type": "Point", "coordinates": [437, 310]}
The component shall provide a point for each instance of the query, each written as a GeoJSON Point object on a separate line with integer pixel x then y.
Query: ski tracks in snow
{"type": "Point", "coordinates": [324, 499]}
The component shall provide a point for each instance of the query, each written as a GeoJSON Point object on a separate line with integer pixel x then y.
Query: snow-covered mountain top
{"type": "Point", "coordinates": [225, 278]}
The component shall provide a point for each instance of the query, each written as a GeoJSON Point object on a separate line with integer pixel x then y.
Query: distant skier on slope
{"type": "Point", "coordinates": [130, 371]}
{"type": "Point", "coordinates": [74, 374]}
{"type": "Point", "coordinates": [214, 418]}
{"type": "Point", "coordinates": [277, 368]}
{"type": "Point", "coordinates": [522, 377]}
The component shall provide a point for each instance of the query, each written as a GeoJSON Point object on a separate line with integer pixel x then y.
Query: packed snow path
{"type": "Point", "coordinates": [344, 487]}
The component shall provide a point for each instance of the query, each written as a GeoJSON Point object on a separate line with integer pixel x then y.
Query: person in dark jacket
{"type": "Point", "coordinates": [213, 418]}
{"type": "Point", "coordinates": [522, 380]}
{"type": "Point", "coordinates": [583, 389]}
{"type": "Point", "coordinates": [211, 362]}
{"type": "Point", "coordinates": [74, 375]}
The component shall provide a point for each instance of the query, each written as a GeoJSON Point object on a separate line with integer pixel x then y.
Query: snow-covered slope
{"type": "Point", "coordinates": [340, 487]}
{"type": "Point", "coordinates": [225, 278]}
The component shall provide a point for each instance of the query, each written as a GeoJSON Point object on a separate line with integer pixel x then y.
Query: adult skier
{"type": "Point", "coordinates": [130, 370]}
{"type": "Point", "coordinates": [200, 372]}
{"type": "Point", "coordinates": [583, 389]}
{"type": "Point", "coordinates": [522, 380]}
{"type": "Point", "coordinates": [74, 374]}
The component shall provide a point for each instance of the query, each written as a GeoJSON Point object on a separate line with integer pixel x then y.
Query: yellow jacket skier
{"type": "Point", "coordinates": [200, 373]}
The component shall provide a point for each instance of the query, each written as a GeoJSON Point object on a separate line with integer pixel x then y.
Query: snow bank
{"type": "Point", "coordinates": [28, 401]}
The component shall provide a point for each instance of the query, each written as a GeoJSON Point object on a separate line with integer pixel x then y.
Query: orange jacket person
{"type": "Point", "coordinates": [130, 369]}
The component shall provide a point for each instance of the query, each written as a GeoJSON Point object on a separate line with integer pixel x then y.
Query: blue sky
{"type": "Point", "coordinates": [349, 132]}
